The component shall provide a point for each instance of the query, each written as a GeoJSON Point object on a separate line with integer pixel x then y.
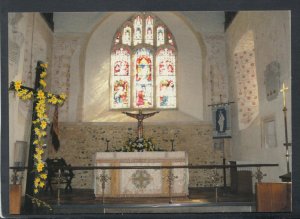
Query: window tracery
{"type": "Point", "coordinates": [143, 65]}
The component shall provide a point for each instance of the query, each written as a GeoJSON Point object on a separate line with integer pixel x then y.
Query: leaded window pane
{"type": "Point", "coordinates": [143, 78]}
{"type": "Point", "coordinates": [166, 79]}
{"type": "Point", "coordinates": [135, 82]}
{"type": "Point", "coordinates": [149, 30]}
{"type": "Point", "coordinates": [170, 39]}
{"type": "Point", "coordinates": [121, 93]}
{"type": "Point", "coordinates": [160, 35]}
{"type": "Point", "coordinates": [121, 62]}
{"type": "Point", "coordinates": [117, 38]}
{"type": "Point", "coordinates": [126, 38]}
{"type": "Point", "coordinates": [120, 68]}
{"type": "Point", "coordinates": [138, 30]}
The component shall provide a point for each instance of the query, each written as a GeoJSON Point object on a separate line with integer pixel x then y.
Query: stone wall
{"type": "Point", "coordinates": [80, 141]}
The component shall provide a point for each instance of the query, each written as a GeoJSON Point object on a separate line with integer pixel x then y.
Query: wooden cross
{"type": "Point", "coordinates": [36, 173]}
{"type": "Point", "coordinates": [283, 91]}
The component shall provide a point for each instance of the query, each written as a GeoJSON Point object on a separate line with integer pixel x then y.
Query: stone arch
{"type": "Point", "coordinates": [246, 80]}
{"type": "Point", "coordinates": [97, 68]}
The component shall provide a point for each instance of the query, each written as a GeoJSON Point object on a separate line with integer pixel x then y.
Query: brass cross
{"type": "Point", "coordinates": [283, 91]}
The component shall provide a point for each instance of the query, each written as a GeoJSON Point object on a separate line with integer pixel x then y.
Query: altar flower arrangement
{"type": "Point", "coordinates": [139, 145]}
{"type": "Point", "coordinates": [41, 122]}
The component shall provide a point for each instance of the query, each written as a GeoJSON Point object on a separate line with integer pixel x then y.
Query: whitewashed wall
{"type": "Point", "coordinates": [97, 68]}
{"type": "Point", "coordinates": [272, 40]}
{"type": "Point", "coordinates": [30, 40]}
{"type": "Point", "coordinates": [87, 83]}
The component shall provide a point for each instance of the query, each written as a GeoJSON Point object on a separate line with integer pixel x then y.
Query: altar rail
{"type": "Point", "coordinates": [214, 166]}
{"type": "Point", "coordinates": [216, 177]}
{"type": "Point", "coordinates": [233, 167]}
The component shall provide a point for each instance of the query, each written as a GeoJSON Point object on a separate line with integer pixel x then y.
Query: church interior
{"type": "Point", "coordinates": [198, 101]}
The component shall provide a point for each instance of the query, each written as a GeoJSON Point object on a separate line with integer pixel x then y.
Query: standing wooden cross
{"type": "Point", "coordinates": [36, 173]}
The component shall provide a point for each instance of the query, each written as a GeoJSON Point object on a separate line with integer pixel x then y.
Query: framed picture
{"type": "Point", "coordinates": [269, 136]}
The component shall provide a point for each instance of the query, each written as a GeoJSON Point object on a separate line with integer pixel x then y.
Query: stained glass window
{"type": "Point", "coordinates": [126, 38]}
{"type": "Point", "coordinates": [117, 38]}
{"type": "Point", "coordinates": [143, 78]}
{"type": "Point", "coordinates": [138, 30]}
{"type": "Point", "coordinates": [120, 64]}
{"type": "Point", "coordinates": [165, 79]}
{"type": "Point", "coordinates": [160, 35]}
{"type": "Point", "coordinates": [170, 39]}
{"type": "Point", "coordinates": [149, 30]}
{"type": "Point", "coordinates": [142, 41]}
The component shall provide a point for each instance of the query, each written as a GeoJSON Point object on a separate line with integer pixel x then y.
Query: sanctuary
{"type": "Point", "coordinates": [149, 112]}
{"type": "Point", "coordinates": [142, 182]}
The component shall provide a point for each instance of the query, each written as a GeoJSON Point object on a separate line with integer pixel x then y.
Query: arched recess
{"type": "Point", "coordinates": [246, 80]}
{"type": "Point", "coordinates": [96, 90]}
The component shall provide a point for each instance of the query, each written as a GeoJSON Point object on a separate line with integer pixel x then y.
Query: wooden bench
{"type": "Point", "coordinates": [55, 166]}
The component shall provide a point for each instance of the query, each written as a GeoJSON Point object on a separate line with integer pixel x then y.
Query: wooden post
{"type": "Point", "coordinates": [30, 174]}
{"type": "Point", "coordinates": [15, 195]}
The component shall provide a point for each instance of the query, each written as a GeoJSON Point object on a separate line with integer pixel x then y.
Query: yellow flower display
{"type": "Point", "coordinates": [37, 156]}
{"type": "Point", "coordinates": [40, 123]}
{"type": "Point", "coordinates": [53, 100]}
{"type": "Point", "coordinates": [44, 65]}
{"type": "Point", "coordinates": [44, 176]}
{"type": "Point", "coordinates": [37, 131]}
{"type": "Point", "coordinates": [43, 83]}
{"type": "Point", "coordinates": [39, 151]}
{"type": "Point", "coordinates": [40, 167]}
{"type": "Point", "coordinates": [63, 96]}
{"type": "Point", "coordinates": [40, 94]}
{"type": "Point", "coordinates": [28, 95]}
{"type": "Point", "coordinates": [42, 184]}
{"type": "Point", "coordinates": [43, 75]}
{"type": "Point", "coordinates": [37, 180]}
{"type": "Point", "coordinates": [18, 85]}
{"type": "Point", "coordinates": [44, 124]}
{"type": "Point", "coordinates": [22, 92]}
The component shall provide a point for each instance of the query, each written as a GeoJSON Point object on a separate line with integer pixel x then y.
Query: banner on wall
{"type": "Point", "coordinates": [221, 121]}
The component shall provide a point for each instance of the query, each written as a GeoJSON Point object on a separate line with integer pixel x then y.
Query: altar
{"type": "Point", "coordinates": [141, 182]}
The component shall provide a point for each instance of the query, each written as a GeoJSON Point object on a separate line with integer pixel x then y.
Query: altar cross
{"type": "Point", "coordinates": [36, 172]}
{"type": "Point", "coordinates": [287, 143]}
{"type": "Point", "coordinates": [283, 90]}
{"type": "Point", "coordinates": [140, 117]}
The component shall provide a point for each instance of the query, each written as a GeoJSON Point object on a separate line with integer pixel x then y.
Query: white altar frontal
{"type": "Point", "coordinates": [141, 182]}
